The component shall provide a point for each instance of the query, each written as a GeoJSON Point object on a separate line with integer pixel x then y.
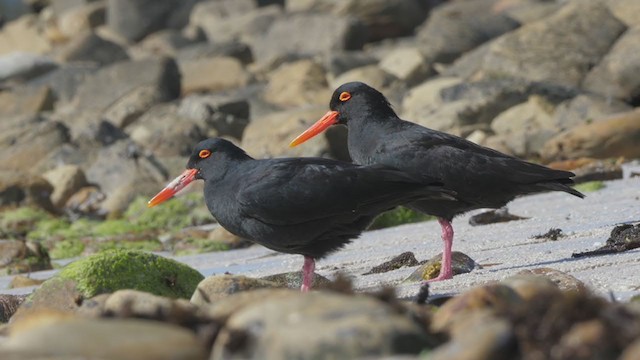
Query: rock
{"type": "Point", "coordinates": [447, 104]}
{"type": "Point", "coordinates": [64, 81]}
{"type": "Point", "coordinates": [216, 287]}
{"type": "Point", "coordinates": [584, 109]}
{"type": "Point", "coordinates": [109, 271]}
{"type": "Point", "coordinates": [340, 62]}
{"type": "Point", "coordinates": [165, 132]}
{"type": "Point", "coordinates": [23, 136]}
{"type": "Point", "coordinates": [613, 136]}
{"type": "Point", "coordinates": [8, 306]}
{"type": "Point", "coordinates": [23, 257]}
{"type": "Point", "coordinates": [299, 83]}
{"type": "Point", "coordinates": [93, 49]}
{"type": "Point", "coordinates": [82, 18]}
{"type": "Point", "coordinates": [405, 259]}
{"type": "Point", "coordinates": [133, 303]}
{"type": "Point", "coordinates": [23, 34]}
{"type": "Point", "coordinates": [538, 51]}
{"type": "Point", "coordinates": [224, 26]}
{"type": "Point", "coordinates": [227, 115]}
{"type": "Point", "coordinates": [372, 75]}
{"type": "Point", "coordinates": [237, 50]}
{"type": "Point", "coordinates": [66, 180]}
{"type": "Point", "coordinates": [264, 136]}
{"type": "Point", "coordinates": [220, 311]}
{"type": "Point", "coordinates": [13, 9]}
{"type": "Point", "coordinates": [526, 11]}
{"type": "Point", "coordinates": [460, 262]}
{"type": "Point", "coordinates": [586, 340]}
{"type": "Point", "coordinates": [50, 335]}
{"type": "Point", "coordinates": [615, 76]}
{"type": "Point", "coordinates": [86, 201]}
{"type": "Point", "coordinates": [26, 101]}
{"type": "Point", "coordinates": [135, 19]}
{"type": "Point", "coordinates": [293, 280]}
{"type": "Point", "coordinates": [530, 286]}
{"type": "Point", "coordinates": [631, 352]}
{"type": "Point", "coordinates": [127, 89]}
{"type": "Point", "coordinates": [407, 64]}
{"type": "Point", "coordinates": [626, 10]}
{"type": "Point", "coordinates": [492, 296]}
{"type": "Point", "coordinates": [562, 280]}
{"type": "Point", "coordinates": [494, 216]}
{"type": "Point", "coordinates": [527, 126]}
{"type": "Point", "coordinates": [309, 34]}
{"type": "Point", "coordinates": [231, 241]}
{"type": "Point", "coordinates": [58, 7]}
{"type": "Point", "coordinates": [24, 66]}
{"type": "Point", "coordinates": [355, 326]}
{"type": "Point", "coordinates": [22, 189]}
{"type": "Point", "coordinates": [19, 281]}
{"type": "Point", "coordinates": [483, 337]}
{"type": "Point", "coordinates": [212, 74]}
{"type": "Point", "coordinates": [166, 42]}
{"type": "Point", "coordinates": [459, 26]}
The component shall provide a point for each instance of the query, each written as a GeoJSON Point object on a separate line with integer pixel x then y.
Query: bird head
{"type": "Point", "coordinates": [349, 101]}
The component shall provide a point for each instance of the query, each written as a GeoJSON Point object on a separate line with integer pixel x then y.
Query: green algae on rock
{"type": "Point", "coordinates": [109, 271]}
{"type": "Point", "coordinates": [398, 216]}
{"type": "Point", "coordinates": [590, 186]}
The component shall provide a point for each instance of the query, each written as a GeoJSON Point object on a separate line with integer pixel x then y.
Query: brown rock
{"type": "Point", "coordinates": [82, 18]}
{"type": "Point", "coordinates": [299, 83]}
{"type": "Point", "coordinates": [87, 200]}
{"type": "Point", "coordinates": [611, 137]}
{"type": "Point", "coordinates": [529, 286]}
{"type": "Point", "coordinates": [562, 280]}
{"type": "Point", "coordinates": [133, 303]}
{"type": "Point", "coordinates": [371, 75]}
{"type": "Point", "coordinates": [628, 11]}
{"type": "Point", "coordinates": [214, 288]}
{"type": "Point", "coordinates": [59, 295]}
{"type": "Point", "coordinates": [19, 281]}
{"type": "Point", "coordinates": [66, 180]}
{"type": "Point", "coordinates": [23, 34]}
{"type": "Point", "coordinates": [17, 188]}
{"type": "Point", "coordinates": [407, 64]}
{"type": "Point", "coordinates": [586, 340]}
{"type": "Point", "coordinates": [223, 236]}
{"type": "Point", "coordinates": [26, 101]}
{"type": "Point", "coordinates": [212, 74]}
{"type": "Point", "coordinates": [224, 307]}
{"type": "Point", "coordinates": [461, 264]}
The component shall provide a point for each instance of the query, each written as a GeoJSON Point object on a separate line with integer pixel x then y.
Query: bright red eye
{"type": "Point", "coordinates": [344, 96]}
{"type": "Point", "coordinates": [204, 154]}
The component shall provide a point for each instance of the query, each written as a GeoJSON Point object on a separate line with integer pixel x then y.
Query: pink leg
{"type": "Point", "coordinates": [308, 270]}
{"type": "Point", "coordinates": [446, 272]}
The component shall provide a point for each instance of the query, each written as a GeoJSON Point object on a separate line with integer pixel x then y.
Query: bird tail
{"type": "Point", "coordinates": [562, 185]}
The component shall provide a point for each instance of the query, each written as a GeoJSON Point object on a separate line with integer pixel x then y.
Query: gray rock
{"type": "Point", "coordinates": [22, 257]}
{"type": "Point", "coordinates": [134, 19]}
{"type": "Point", "coordinates": [82, 18]}
{"type": "Point", "coordinates": [298, 83]}
{"type": "Point", "coordinates": [557, 50]}
{"type": "Point", "coordinates": [24, 66]}
{"type": "Point", "coordinates": [615, 76]}
{"type": "Point", "coordinates": [461, 264]}
{"type": "Point", "coordinates": [26, 100]}
{"type": "Point", "coordinates": [203, 50]}
{"type": "Point", "coordinates": [61, 6]}
{"type": "Point", "coordinates": [212, 74]}
{"type": "Point", "coordinates": [166, 42]}
{"type": "Point", "coordinates": [526, 11]}
{"type": "Point", "coordinates": [615, 136]}
{"type": "Point", "coordinates": [302, 326]}
{"type": "Point", "coordinates": [407, 64]}
{"type": "Point", "coordinates": [526, 127]}
{"type": "Point", "coordinates": [340, 62]}
{"type": "Point", "coordinates": [53, 334]}
{"type": "Point", "coordinates": [244, 25]}
{"type": "Point", "coordinates": [24, 189]}
{"type": "Point", "coordinates": [457, 27]}
{"type": "Point", "coordinates": [90, 47]}
{"type": "Point", "coordinates": [64, 81]}
{"type": "Point", "coordinates": [309, 34]}
{"type": "Point", "coordinates": [584, 109]}
{"type": "Point", "coordinates": [165, 132]}
{"type": "Point", "coordinates": [12, 9]}
{"type": "Point", "coordinates": [216, 287]}
{"type": "Point", "coordinates": [372, 75]}
{"type": "Point", "coordinates": [66, 180]}
{"type": "Point", "coordinates": [227, 115]}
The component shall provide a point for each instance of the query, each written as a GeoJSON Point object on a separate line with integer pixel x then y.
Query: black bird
{"type": "Point", "coordinates": [307, 206]}
{"type": "Point", "coordinates": [481, 177]}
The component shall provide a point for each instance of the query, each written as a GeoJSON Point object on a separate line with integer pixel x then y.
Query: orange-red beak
{"type": "Point", "coordinates": [327, 120]}
{"type": "Point", "coordinates": [173, 187]}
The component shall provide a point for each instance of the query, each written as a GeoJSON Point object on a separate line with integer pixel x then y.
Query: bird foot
{"type": "Point", "coordinates": [441, 277]}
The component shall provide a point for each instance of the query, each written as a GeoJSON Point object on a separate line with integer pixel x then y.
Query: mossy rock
{"type": "Point", "coordinates": [398, 216]}
{"type": "Point", "coordinates": [590, 186]}
{"type": "Point", "coordinates": [113, 270]}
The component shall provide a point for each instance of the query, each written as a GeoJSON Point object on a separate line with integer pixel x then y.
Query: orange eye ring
{"type": "Point", "coordinates": [204, 154]}
{"type": "Point", "coordinates": [344, 96]}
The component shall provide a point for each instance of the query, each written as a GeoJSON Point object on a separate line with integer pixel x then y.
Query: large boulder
{"type": "Point", "coordinates": [23, 34]}
{"type": "Point", "coordinates": [212, 74]}
{"type": "Point", "coordinates": [134, 19]}
{"type": "Point", "coordinates": [298, 83]}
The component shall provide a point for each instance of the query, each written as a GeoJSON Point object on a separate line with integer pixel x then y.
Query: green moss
{"type": "Point", "coordinates": [109, 271]}
{"type": "Point", "coordinates": [67, 249]}
{"type": "Point", "coordinates": [177, 213]}
{"type": "Point", "coordinates": [115, 227]}
{"type": "Point", "coordinates": [398, 216]}
{"type": "Point", "coordinates": [17, 222]}
{"type": "Point", "coordinates": [197, 246]}
{"type": "Point", "coordinates": [590, 186]}
{"type": "Point", "coordinates": [47, 228]}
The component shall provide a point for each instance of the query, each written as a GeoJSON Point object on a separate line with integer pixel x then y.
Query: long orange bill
{"type": "Point", "coordinates": [327, 120]}
{"type": "Point", "coordinates": [173, 187]}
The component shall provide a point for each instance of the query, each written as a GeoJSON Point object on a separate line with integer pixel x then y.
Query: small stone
{"type": "Point", "coordinates": [66, 180]}
{"type": "Point", "coordinates": [293, 280]}
{"type": "Point", "coordinates": [553, 234]}
{"type": "Point", "coordinates": [562, 280]}
{"type": "Point", "coordinates": [402, 260]}
{"type": "Point", "coordinates": [494, 216]}
{"type": "Point", "coordinates": [623, 238]}
{"type": "Point", "coordinates": [460, 263]}
{"type": "Point", "coordinates": [19, 281]}
{"type": "Point", "coordinates": [216, 287]}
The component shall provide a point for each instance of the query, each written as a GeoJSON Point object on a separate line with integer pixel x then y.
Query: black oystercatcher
{"type": "Point", "coordinates": [307, 206]}
{"type": "Point", "coordinates": [481, 177]}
